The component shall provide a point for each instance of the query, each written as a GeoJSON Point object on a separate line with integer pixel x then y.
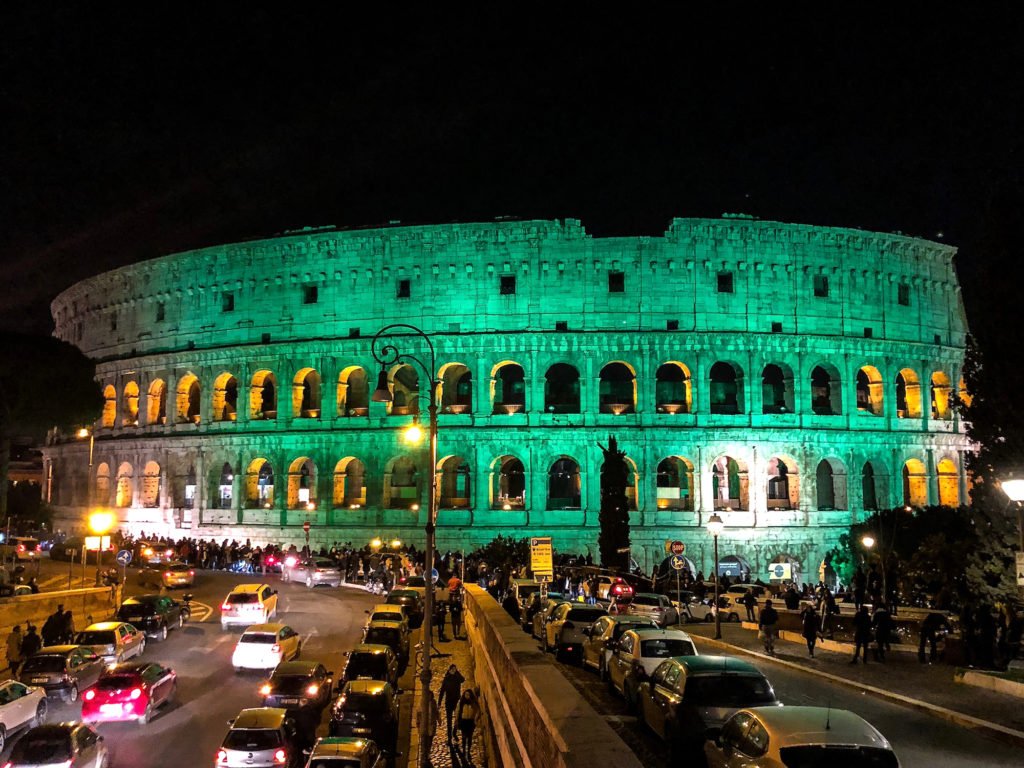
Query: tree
{"type": "Point", "coordinates": [44, 383]}
{"type": "Point", "coordinates": [504, 551]}
{"type": "Point", "coordinates": [614, 515]}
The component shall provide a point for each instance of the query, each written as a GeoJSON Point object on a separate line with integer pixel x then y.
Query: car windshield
{"type": "Point", "coordinates": [622, 626]}
{"type": "Point", "coordinates": [646, 600]}
{"type": "Point", "coordinates": [242, 598]}
{"type": "Point", "coordinates": [263, 638]}
{"type": "Point", "coordinates": [179, 567]}
{"type": "Point", "coordinates": [252, 739]}
{"type": "Point", "coordinates": [728, 691]}
{"type": "Point", "coordinates": [364, 702]}
{"type": "Point", "coordinates": [137, 609]}
{"type": "Point", "coordinates": [664, 647]}
{"type": "Point", "coordinates": [95, 637]}
{"type": "Point", "coordinates": [838, 756]}
{"type": "Point", "coordinates": [583, 614]}
{"type": "Point", "coordinates": [382, 635]}
{"type": "Point", "coordinates": [325, 564]}
{"type": "Point", "coordinates": [288, 684]}
{"type": "Point", "coordinates": [386, 616]}
{"type": "Point", "coordinates": [414, 581]}
{"type": "Point", "coordinates": [525, 590]}
{"type": "Point", "coordinates": [42, 750]}
{"type": "Point", "coordinates": [371, 665]}
{"type": "Point", "coordinates": [116, 682]}
{"type": "Point", "coordinates": [44, 664]}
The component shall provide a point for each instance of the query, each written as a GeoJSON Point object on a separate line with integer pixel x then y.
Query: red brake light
{"type": "Point", "coordinates": [167, 575]}
{"type": "Point", "coordinates": [225, 606]}
{"type": "Point", "coordinates": [89, 695]}
{"type": "Point", "coordinates": [280, 757]}
{"type": "Point", "coordinates": [222, 756]}
{"type": "Point", "coordinates": [275, 648]}
{"type": "Point", "coordinates": [39, 547]}
{"type": "Point", "coordinates": [136, 692]}
{"type": "Point", "coordinates": [21, 547]}
{"type": "Point", "coordinates": [191, 573]}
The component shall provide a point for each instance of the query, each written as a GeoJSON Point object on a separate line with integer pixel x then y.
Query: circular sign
{"type": "Point", "coordinates": [779, 571]}
{"type": "Point", "coordinates": [305, 526]}
{"type": "Point", "coordinates": [678, 548]}
{"type": "Point", "coordinates": [678, 562]}
{"type": "Point", "coordinates": [123, 557]}
{"type": "Point", "coordinates": [434, 574]}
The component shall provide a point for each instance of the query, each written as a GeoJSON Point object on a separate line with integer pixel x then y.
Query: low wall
{"type": "Point", "coordinates": [537, 718]}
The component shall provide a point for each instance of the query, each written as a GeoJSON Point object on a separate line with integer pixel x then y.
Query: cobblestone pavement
{"type": "Point", "coordinates": [444, 754]}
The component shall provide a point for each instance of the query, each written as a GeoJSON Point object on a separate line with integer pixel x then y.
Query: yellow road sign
{"type": "Point", "coordinates": [541, 556]}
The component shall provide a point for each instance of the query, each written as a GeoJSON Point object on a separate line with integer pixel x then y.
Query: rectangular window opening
{"type": "Point", "coordinates": [561, 325]}
{"type": "Point", "coordinates": [227, 302]}
{"type": "Point", "coordinates": [776, 327]}
{"type": "Point", "coordinates": [353, 333]}
{"type": "Point", "coordinates": [310, 294]}
{"type": "Point", "coordinates": [725, 282]}
{"type": "Point", "coordinates": [868, 333]}
{"type": "Point", "coordinates": [508, 285]}
{"type": "Point", "coordinates": [820, 286]}
{"type": "Point", "coordinates": [938, 338]}
{"type": "Point", "coordinates": [113, 322]}
{"type": "Point", "coordinates": [265, 338]}
{"type": "Point", "coordinates": [161, 312]}
{"type": "Point", "coordinates": [904, 295]}
{"type": "Point", "coordinates": [616, 282]}
{"type": "Point", "coordinates": [671, 325]}
{"type": "Point", "coordinates": [403, 289]}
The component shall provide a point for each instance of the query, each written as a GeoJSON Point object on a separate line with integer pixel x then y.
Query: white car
{"type": "Point", "coordinates": [264, 646]}
{"type": "Point", "coordinates": [20, 706]}
{"type": "Point", "coordinates": [639, 652]}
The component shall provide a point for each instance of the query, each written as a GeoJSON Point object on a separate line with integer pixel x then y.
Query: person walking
{"type": "Point", "coordinates": [53, 627]}
{"type": "Point", "coordinates": [455, 609]}
{"type": "Point", "coordinates": [14, 657]}
{"type": "Point", "coordinates": [451, 690]}
{"type": "Point", "coordinates": [467, 722]}
{"type": "Point", "coordinates": [862, 634]}
{"type": "Point", "coordinates": [67, 628]}
{"type": "Point", "coordinates": [768, 626]}
{"type": "Point", "coordinates": [440, 615]}
{"type": "Point", "coordinates": [881, 622]}
{"type": "Point", "coordinates": [809, 619]}
{"type": "Point", "coordinates": [749, 600]}
{"type": "Point", "coordinates": [31, 644]}
{"type": "Point", "coordinates": [933, 626]}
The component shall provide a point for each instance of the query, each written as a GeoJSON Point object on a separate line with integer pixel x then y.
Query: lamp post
{"type": "Point", "coordinates": [82, 434]}
{"type": "Point", "coordinates": [386, 353]}
{"type": "Point", "coordinates": [715, 526]}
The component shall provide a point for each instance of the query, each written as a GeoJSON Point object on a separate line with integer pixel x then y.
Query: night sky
{"type": "Point", "coordinates": [127, 137]}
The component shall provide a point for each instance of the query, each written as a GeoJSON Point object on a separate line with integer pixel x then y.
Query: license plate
{"type": "Point", "coordinates": [38, 679]}
{"type": "Point", "coordinates": [360, 730]}
{"type": "Point", "coordinates": [289, 701]}
{"type": "Point", "coordinates": [111, 709]}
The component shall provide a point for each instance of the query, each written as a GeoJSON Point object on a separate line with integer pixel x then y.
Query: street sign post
{"type": "Point", "coordinates": [123, 558]}
{"type": "Point", "coordinates": [678, 562]}
{"type": "Point", "coordinates": [541, 556]}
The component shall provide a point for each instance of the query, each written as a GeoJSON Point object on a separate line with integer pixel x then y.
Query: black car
{"type": "Point", "coordinates": [371, 662]}
{"type": "Point", "coordinates": [411, 602]}
{"type": "Point", "coordinates": [298, 686]}
{"type": "Point", "coordinates": [367, 709]}
{"type": "Point", "coordinates": [71, 744]}
{"type": "Point", "coordinates": [391, 634]}
{"type": "Point", "coordinates": [155, 614]}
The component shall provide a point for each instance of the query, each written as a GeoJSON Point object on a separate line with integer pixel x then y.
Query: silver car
{"type": "Point", "coordinates": [260, 738]}
{"type": "Point", "coordinates": [654, 606]}
{"type": "Point", "coordinates": [317, 572]}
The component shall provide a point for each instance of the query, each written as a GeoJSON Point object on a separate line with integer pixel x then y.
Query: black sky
{"type": "Point", "coordinates": [127, 137]}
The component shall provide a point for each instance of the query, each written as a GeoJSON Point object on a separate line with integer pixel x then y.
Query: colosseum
{"type": "Point", "coordinates": [791, 378]}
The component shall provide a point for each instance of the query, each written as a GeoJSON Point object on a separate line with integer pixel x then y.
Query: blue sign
{"type": "Point", "coordinates": [678, 562]}
{"type": "Point", "coordinates": [123, 557]}
{"type": "Point", "coordinates": [434, 575]}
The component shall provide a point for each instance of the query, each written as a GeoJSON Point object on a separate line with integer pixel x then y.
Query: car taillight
{"type": "Point", "coordinates": [312, 690]}
{"type": "Point", "coordinates": [39, 547]}
{"type": "Point", "coordinates": [265, 690]}
{"type": "Point", "coordinates": [222, 755]}
{"type": "Point", "coordinates": [21, 547]}
{"type": "Point", "coordinates": [280, 757]}
{"type": "Point", "coordinates": [225, 606]}
{"type": "Point", "coordinates": [275, 648]}
{"type": "Point", "coordinates": [136, 692]}
{"type": "Point", "coordinates": [290, 561]}
{"type": "Point", "coordinates": [167, 575]}
{"type": "Point", "coordinates": [191, 573]}
{"type": "Point", "coordinates": [89, 695]}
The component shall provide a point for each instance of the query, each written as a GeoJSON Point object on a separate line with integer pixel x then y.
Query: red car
{"type": "Point", "coordinates": [620, 591]}
{"type": "Point", "coordinates": [130, 691]}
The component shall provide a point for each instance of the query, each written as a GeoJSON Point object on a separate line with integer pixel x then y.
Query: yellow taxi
{"type": "Point", "coordinates": [248, 604]}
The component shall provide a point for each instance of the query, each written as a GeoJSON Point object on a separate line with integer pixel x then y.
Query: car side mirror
{"type": "Point", "coordinates": [231, 721]}
{"type": "Point", "coordinates": [366, 612]}
{"type": "Point", "coordinates": [347, 653]}
{"type": "Point", "coordinates": [273, 591]}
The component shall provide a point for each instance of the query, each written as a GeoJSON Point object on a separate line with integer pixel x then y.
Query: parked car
{"type": "Point", "coordinates": [411, 603]}
{"type": "Point", "coordinates": [536, 602]}
{"type": "Point", "coordinates": [368, 709]}
{"type": "Point", "coordinates": [114, 641]}
{"type": "Point", "coordinates": [386, 612]}
{"type": "Point", "coordinates": [155, 614]}
{"type": "Point", "coordinates": [261, 738]}
{"type": "Point", "coordinates": [68, 745]}
{"type": "Point", "coordinates": [298, 686]}
{"type": "Point", "coordinates": [264, 646]}
{"type": "Point", "coordinates": [130, 691]}
{"type": "Point", "coordinates": [169, 575]}
{"type": "Point", "coordinates": [775, 737]}
{"type": "Point", "coordinates": [419, 584]}
{"type": "Point", "coordinates": [248, 604]}
{"type": "Point", "coordinates": [23, 548]}
{"type": "Point", "coordinates": [688, 698]}
{"type": "Point", "coordinates": [62, 670]}
{"type": "Point", "coordinates": [317, 572]}
{"type": "Point", "coordinates": [540, 619]}
{"type": "Point", "coordinates": [654, 606]}
{"type": "Point", "coordinates": [524, 589]}
{"type": "Point", "coordinates": [389, 633]}
{"type": "Point", "coordinates": [566, 625]}
{"type": "Point", "coordinates": [609, 586]}
{"type": "Point", "coordinates": [368, 661]}
{"type": "Point", "coordinates": [604, 634]}
{"type": "Point", "coordinates": [637, 654]}
{"type": "Point", "coordinates": [694, 609]}
{"type": "Point", "coordinates": [346, 752]}
{"type": "Point", "coordinates": [21, 706]}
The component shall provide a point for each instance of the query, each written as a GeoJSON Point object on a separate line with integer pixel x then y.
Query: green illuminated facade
{"type": "Point", "coordinates": [790, 377]}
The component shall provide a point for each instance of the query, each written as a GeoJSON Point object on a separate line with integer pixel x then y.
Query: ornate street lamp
{"type": "Point", "coordinates": [387, 354]}
{"type": "Point", "coordinates": [1014, 490]}
{"type": "Point", "coordinates": [715, 527]}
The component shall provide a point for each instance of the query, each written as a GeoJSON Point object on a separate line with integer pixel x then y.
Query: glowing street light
{"type": "Point", "coordinates": [868, 541]}
{"type": "Point", "coordinates": [414, 434]}
{"type": "Point", "coordinates": [376, 543]}
{"type": "Point", "coordinates": [1014, 490]}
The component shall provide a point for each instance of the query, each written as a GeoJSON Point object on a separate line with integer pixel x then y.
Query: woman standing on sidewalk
{"type": "Point", "coordinates": [810, 627]}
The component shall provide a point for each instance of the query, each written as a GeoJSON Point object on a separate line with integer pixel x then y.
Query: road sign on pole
{"type": "Point", "coordinates": [678, 548]}
{"type": "Point", "coordinates": [678, 562]}
{"type": "Point", "coordinates": [305, 526]}
{"type": "Point", "coordinates": [541, 559]}
{"type": "Point", "coordinates": [123, 557]}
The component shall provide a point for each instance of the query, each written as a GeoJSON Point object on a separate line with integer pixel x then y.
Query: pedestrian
{"type": "Point", "coordinates": [67, 628]}
{"type": "Point", "coordinates": [749, 600]}
{"type": "Point", "coordinates": [467, 721]}
{"type": "Point", "coordinates": [862, 634]}
{"type": "Point", "coordinates": [881, 622]}
{"type": "Point", "coordinates": [933, 627]}
{"type": "Point", "coordinates": [451, 688]}
{"type": "Point", "coordinates": [860, 583]}
{"type": "Point", "coordinates": [809, 618]}
{"type": "Point", "coordinates": [440, 614]}
{"type": "Point", "coordinates": [53, 627]}
{"type": "Point", "coordinates": [767, 625]}
{"type": "Point", "coordinates": [455, 609]}
{"type": "Point", "coordinates": [14, 657]}
{"type": "Point", "coordinates": [33, 585]}
{"type": "Point", "coordinates": [31, 644]}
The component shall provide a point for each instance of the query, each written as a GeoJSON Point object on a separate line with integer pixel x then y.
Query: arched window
{"type": "Point", "coordinates": [306, 394]}
{"type": "Point", "coordinates": [826, 399]}
{"type": "Point", "coordinates": [617, 389]}
{"type": "Point", "coordinates": [726, 388]}
{"type": "Point", "coordinates": [915, 484]}
{"type": "Point", "coordinates": [225, 486]}
{"type": "Point", "coordinates": [508, 388]}
{"type": "Point", "coordinates": [508, 483]}
{"type": "Point", "coordinates": [783, 484]}
{"type": "Point", "coordinates": [151, 485]}
{"type": "Point", "coordinates": [908, 395]}
{"type": "Point", "coordinates": [456, 389]}
{"type": "Point", "coordinates": [672, 390]}
{"type": "Point", "coordinates": [188, 401]}
{"type": "Point", "coordinates": [263, 396]}
{"type": "Point", "coordinates": [102, 484]}
{"type": "Point", "coordinates": [130, 405]}
{"type": "Point", "coordinates": [730, 484]}
{"type": "Point", "coordinates": [156, 406]}
{"type": "Point", "coordinates": [109, 406]}
{"type": "Point", "coordinates": [401, 484]}
{"type": "Point", "coordinates": [963, 395]}
{"type": "Point", "coordinates": [675, 484]}
{"type": "Point", "coordinates": [225, 398]}
{"type": "Point", "coordinates": [125, 485]}
{"type": "Point", "coordinates": [353, 392]}
{"type": "Point", "coordinates": [453, 483]}
{"type": "Point", "coordinates": [870, 391]}
{"type": "Point", "coordinates": [259, 484]}
{"type": "Point", "coordinates": [189, 497]}
{"type": "Point", "coordinates": [302, 484]}
{"type": "Point", "coordinates": [562, 389]}
{"type": "Point", "coordinates": [949, 484]}
{"type": "Point", "coordinates": [941, 396]}
{"type": "Point", "coordinates": [776, 389]}
{"type": "Point", "coordinates": [869, 487]}
{"type": "Point", "coordinates": [349, 484]}
{"type": "Point", "coordinates": [405, 388]}
{"type": "Point", "coordinates": [830, 481]}
{"type": "Point", "coordinates": [564, 485]}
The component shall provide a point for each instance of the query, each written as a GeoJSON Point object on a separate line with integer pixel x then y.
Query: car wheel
{"type": "Point", "coordinates": [708, 618]}
{"type": "Point", "coordinates": [181, 620]}
{"type": "Point", "coordinates": [162, 634]}
{"type": "Point", "coordinates": [40, 715]}
{"type": "Point", "coordinates": [142, 645]}
{"type": "Point", "coordinates": [734, 617]}
{"type": "Point", "coordinates": [3, 738]}
{"type": "Point", "coordinates": [146, 715]}
{"type": "Point", "coordinates": [73, 694]}
{"type": "Point", "coordinates": [309, 582]}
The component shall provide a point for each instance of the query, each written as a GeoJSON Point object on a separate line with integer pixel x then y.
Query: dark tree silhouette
{"type": "Point", "coordinates": [614, 515]}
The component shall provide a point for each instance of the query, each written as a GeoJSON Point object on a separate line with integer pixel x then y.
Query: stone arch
{"type": "Point", "coordinates": [783, 483]}
{"type": "Point", "coordinates": [726, 387]}
{"type": "Point", "coordinates": [908, 395]}
{"type": "Point", "coordinates": [302, 484]}
{"type": "Point", "coordinates": [225, 397]}
{"type": "Point", "coordinates": [562, 389]}
{"type": "Point", "coordinates": [456, 388]}
{"type": "Point", "coordinates": [507, 483]}
{"type": "Point", "coordinates": [830, 483]}
{"type": "Point", "coordinates": [349, 484]}
{"type": "Point", "coordinates": [151, 484]}
{"type": "Point", "coordinates": [870, 391]}
{"type": "Point", "coordinates": [156, 404]}
{"type": "Point", "coordinates": [777, 389]}
{"type": "Point", "coordinates": [125, 485]}
{"type": "Point", "coordinates": [405, 389]}
{"type": "Point", "coordinates": [188, 400]}
{"type": "Point", "coordinates": [103, 483]}
{"type": "Point", "coordinates": [915, 483]}
{"type": "Point", "coordinates": [730, 483]}
{"type": "Point", "coordinates": [130, 404]}
{"type": "Point", "coordinates": [508, 388]}
{"type": "Point", "coordinates": [353, 392]}
{"type": "Point", "coordinates": [673, 388]}
{"type": "Point", "coordinates": [306, 394]}
{"type": "Point", "coordinates": [949, 483]}
{"type": "Point", "coordinates": [734, 566]}
{"type": "Point", "coordinates": [564, 484]}
{"type": "Point", "coordinates": [874, 485]}
{"type": "Point", "coordinates": [109, 406]}
{"type": "Point", "coordinates": [259, 484]}
{"type": "Point", "coordinates": [225, 486]}
{"type": "Point", "coordinates": [617, 389]}
{"type": "Point", "coordinates": [941, 396]}
{"type": "Point", "coordinates": [263, 396]}
{"type": "Point", "coordinates": [826, 390]}
{"type": "Point", "coordinates": [675, 483]}
{"type": "Point", "coordinates": [454, 489]}
{"type": "Point", "coordinates": [401, 484]}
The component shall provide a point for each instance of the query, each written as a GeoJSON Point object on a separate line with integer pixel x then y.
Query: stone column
{"type": "Point", "coordinates": [481, 389]}
{"type": "Point", "coordinates": [700, 385]}
{"type": "Point", "coordinates": [961, 468]}
{"type": "Point", "coordinates": [933, 478]}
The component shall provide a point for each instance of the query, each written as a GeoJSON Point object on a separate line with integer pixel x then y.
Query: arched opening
{"type": "Point", "coordinates": [302, 484]}
{"type": "Point", "coordinates": [564, 484]}
{"type": "Point", "coordinates": [830, 482]}
{"type": "Point", "coordinates": [349, 484]}
{"type": "Point", "coordinates": [189, 497]}
{"type": "Point", "coordinates": [189, 399]}
{"type": "Point", "coordinates": [735, 567]}
{"type": "Point", "coordinates": [103, 484]}
{"type": "Point", "coordinates": [675, 484]}
{"type": "Point", "coordinates": [873, 486]}
{"type": "Point", "coordinates": [263, 396]}
{"type": "Point", "coordinates": [456, 389]}
{"type": "Point", "coordinates": [949, 484]}
{"type": "Point", "coordinates": [726, 388]}
{"type": "Point", "coordinates": [508, 388]}
{"type": "Point", "coordinates": [870, 391]}
{"type": "Point", "coordinates": [453, 486]}
{"type": "Point", "coordinates": [915, 484]}
{"type": "Point", "coordinates": [826, 393]}
{"type": "Point", "coordinates": [405, 388]}
{"type": "Point", "coordinates": [401, 484]}
{"type": "Point", "coordinates": [225, 398]}
{"type": "Point", "coordinates": [225, 486]}
{"type": "Point", "coordinates": [617, 389]}
{"type": "Point", "coordinates": [730, 484]}
{"type": "Point", "coordinates": [776, 389]}
{"type": "Point", "coordinates": [151, 485]}
{"type": "Point", "coordinates": [963, 395]}
{"type": "Point", "coordinates": [259, 484]}
{"type": "Point", "coordinates": [125, 485]}
{"type": "Point", "coordinates": [109, 405]}
{"type": "Point", "coordinates": [908, 395]}
{"type": "Point", "coordinates": [156, 406]}
{"type": "Point", "coordinates": [783, 487]}
{"type": "Point", "coordinates": [306, 394]}
{"type": "Point", "coordinates": [353, 392]}
{"type": "Point", "coordinates": [673, 392]}
{"type": "Point", "coordinates": [130, 404]}
{"type": "Point", "coordinates": [562, 389]}
{"type": "Point", "coordinates": [942, 392]}
{"type": "Point", "coordinates": [508, 483]}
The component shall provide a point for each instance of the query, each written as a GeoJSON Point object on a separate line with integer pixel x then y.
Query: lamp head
{"type": "Point", "coordinates": [382, 394]}
{"type": "Point", "coordinates": [376, 543]}
{"type": "Point", "coordinates": [1014, 489]}
{"type": "Point", "coordinates": [396, 543]}
{"type": "Point", "coordinates": [715, 524]}
{"type": "Point", "coordinates": [868, 541]}
{"type": "Point", "coordinates": [414, 434]}
{"type": "Point", "coordinates": [83, 432]}
{"type": "Point", "coordinates": [100, 522]}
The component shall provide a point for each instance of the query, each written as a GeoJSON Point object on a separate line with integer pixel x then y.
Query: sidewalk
{"type": "Point", "coordinates": [929, 687]}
